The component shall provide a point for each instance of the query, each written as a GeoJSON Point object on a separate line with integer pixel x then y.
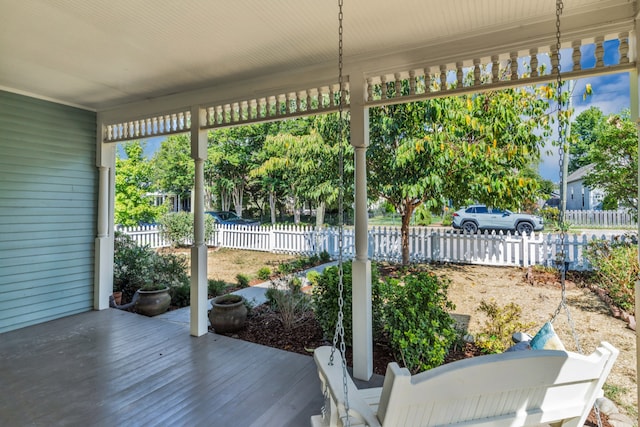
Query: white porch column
{"type": "Point", "coordinates": [634, 105]}
{"type": "Point", "coordinates": [198, 301]}
{"type": "Point", "coordinates": [362, 317]}
{"type": "Point", "coordinates": [103, 264]}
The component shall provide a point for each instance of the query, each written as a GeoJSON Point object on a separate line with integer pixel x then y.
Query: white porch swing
{"type": "Point", "coordinates": [517, 388]}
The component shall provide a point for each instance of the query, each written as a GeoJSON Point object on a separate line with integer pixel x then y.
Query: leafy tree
{"type": "Point", "coordinates": [614, 155]}
{"type": "Point", "coordinates": [322, 174]}
{"type": "Point", "coordinates": [583, 136]}
{"type": "Point", "coordinates": [133, 184]}
{"type": "Point", "coordinates": [275, 170]}
{"type": "Point", "coordinates": [459, 149]}
{"type": "Point", "coordinates": [231, 153]}
{"type": "Point", "coordinates": [302, 165]}
{"type": "Point", "coordinates": [173, 166]}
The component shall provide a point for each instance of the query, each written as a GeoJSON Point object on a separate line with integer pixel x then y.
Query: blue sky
{"type": "Point", "coordinates": [611, 93]}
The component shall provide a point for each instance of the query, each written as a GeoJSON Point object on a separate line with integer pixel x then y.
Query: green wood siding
{"type": "Point", "coordinates": [48, 208]}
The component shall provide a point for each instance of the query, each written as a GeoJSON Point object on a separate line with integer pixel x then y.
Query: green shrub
{"type": "Point", "coordinates": [416, 318]}
{"type": "Point", "coordinates": [313, 276]}
{"type": "Point", "coordinates": [501, 324]}
{"type": "Point", "coordinates": [447, 218]}
{"type": "Point", "coordinates": [169, 270]}
{"type": "Point", "coordinates": [180, 295]}
{"type": "Point", "coordinates": [285, 268]}
{"type": "Point", "coordinates": [551, 217]}
{"type": "Point", "coordinates": [550, 214]}
{"type": "Point", "coordinates": [177, 228]}
{"type": "Point", "coordinates": [295, 284]}
{"type": "Point", "coordinates": [140, 267]}
{"type": "Point", "coordinates": [325, 257]}
{"type": "Point", "coordinates": [216, 287]}
{"type": "Point", "coordinates": [299, 264]}
{"type": "Point", "coordinates": [290, 304]}
{"type": "Point", "coordinates": [264, 273]}
{"type": "Point", "coordinates": [243, 280]}
{"type": "Point", "coordinates": [130, 265]}
{"type": "Point", "coordinates": [325, 301]}
{"type": "Point", "coordinates": [616, 269]}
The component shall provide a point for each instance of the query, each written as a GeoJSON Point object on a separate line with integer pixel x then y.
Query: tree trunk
{"type": "Point", "coordinates": [272, 206]}
{"type": "Point", "coordinates": [296, 211]}
{"type": "Point", "coordinates": [225, 200]}
{"type": "Point", "coordinates": [238, 192]}
{"type": "Point", "coordinates": [320, 215]}
{"type": "Point", "coordinates": [404, 230]}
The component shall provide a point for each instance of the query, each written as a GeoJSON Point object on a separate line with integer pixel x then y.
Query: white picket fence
{"type": "Point", "coordinates": [619, 219]}
{"type": "Point", "coordinates": [425, 244]}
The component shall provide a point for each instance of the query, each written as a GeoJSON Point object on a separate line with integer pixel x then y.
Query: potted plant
{"type": "Point", "coordinates": [145, 276]}
{"type": "Point", "coordinates": [153, 299]}
{"type": "Point", "coordinates": [228, 313]}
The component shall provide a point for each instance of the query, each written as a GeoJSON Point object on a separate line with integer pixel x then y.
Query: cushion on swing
{"type": "Point", "coordinates": [546, 339]}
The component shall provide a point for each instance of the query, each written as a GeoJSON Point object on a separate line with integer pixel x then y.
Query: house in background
{"type": "Point", "coordinates": [581, 197]}
{"type": "Point", "coordinates": [174, 202]}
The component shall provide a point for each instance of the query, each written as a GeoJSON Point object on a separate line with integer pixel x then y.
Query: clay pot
{"type": "Point", "coordinates": [117, 297]}
{"type": "Point", "coordinates": [152, 303]}
{"type": "Point", "coordinates": [228, 313]}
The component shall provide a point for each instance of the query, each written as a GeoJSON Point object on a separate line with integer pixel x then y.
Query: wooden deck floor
{"type": "Point", "coordinates": [113, 368]}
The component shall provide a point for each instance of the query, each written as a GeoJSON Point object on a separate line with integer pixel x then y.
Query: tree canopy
{"type": "Point", "coordinates": [614, 155]}
{"type": "Point", "coordinates": [583, 137]}
{"type": "Point", "coordinates": [457, 150]}
{"type": "Point", "coordinates": [134, 182]}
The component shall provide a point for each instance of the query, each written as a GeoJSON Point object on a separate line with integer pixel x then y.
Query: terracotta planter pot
{"type": "Point", "coordinates": [228, 313]}
{"type": "Point", "coordinates": [117, 297]}
{"type": "Point", "coordinates": [152, 303]}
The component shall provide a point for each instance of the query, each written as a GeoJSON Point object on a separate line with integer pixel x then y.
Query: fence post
{"type": "Point", "coordinates": [525, 250]}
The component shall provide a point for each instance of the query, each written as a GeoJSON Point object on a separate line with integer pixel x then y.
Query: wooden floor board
{"type": "Point", "coordinates": [110, 368]}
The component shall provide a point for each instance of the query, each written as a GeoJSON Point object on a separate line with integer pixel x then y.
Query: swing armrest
{"type": "Point", "coordinates": [331, 377]}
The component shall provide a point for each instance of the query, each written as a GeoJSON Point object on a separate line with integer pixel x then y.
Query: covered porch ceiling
{"type": "Point", "coordinates": [149, 56]}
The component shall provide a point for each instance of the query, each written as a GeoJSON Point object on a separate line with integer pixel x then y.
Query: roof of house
{"type": "Point", "coordinates": [579, 174]}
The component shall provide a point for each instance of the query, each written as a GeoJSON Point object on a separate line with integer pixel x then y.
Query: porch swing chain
{"type": "Point", "coordinates": [338, 337]}
{"type": "Point", "coordinates": [561, 256]}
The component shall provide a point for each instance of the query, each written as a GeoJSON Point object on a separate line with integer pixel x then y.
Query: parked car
{"type": "Point", "coordinates": [230, 218]}
{"type": "Point", "coordinates": [481, 217]}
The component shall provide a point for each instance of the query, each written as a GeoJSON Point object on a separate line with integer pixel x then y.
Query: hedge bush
{"type": "Point", "coordinates": [616, 268]}
{"type": "Point", "coordinates": [501, 323]}
{"type": "Point", "coordinates": [177, 228]}
{"type": "Point", "coordinates": [325, 301]}
{"type": "Point", "coordinates": [417, 320]}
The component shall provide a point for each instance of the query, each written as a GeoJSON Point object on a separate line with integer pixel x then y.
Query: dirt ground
{"type": "Point", "coordinates": [225, 264]}
{"type": "Point", "coordinates": [539, 298]}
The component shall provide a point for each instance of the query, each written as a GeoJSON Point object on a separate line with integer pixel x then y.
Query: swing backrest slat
{"type": "Point", "coordinates": [523, 388]}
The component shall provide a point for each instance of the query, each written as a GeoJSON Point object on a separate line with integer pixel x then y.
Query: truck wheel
{"type": "Point", "coordinates": [525, 228]}
{"type": "Point", "coordinates": [470, 227]}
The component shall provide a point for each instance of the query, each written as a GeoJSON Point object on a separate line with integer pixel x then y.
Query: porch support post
{"type": "Point", "coordinates": [198, 322]}
{"type": "Point", "coordinates": [103, 257]}
{"type": "Point", "coordinates": [634, 96]}
{"type": "Point", "coordinates": [361, 305]}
